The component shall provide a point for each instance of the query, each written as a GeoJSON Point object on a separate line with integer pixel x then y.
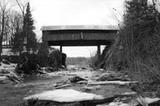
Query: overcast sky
{"type": "Point", "coordinates": [76, 12]}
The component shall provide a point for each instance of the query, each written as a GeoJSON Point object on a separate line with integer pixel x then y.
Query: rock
{"type": "Point", "coordinates": [62, 84]}
{"type": "Point", "coordinates": [116, 104]}
{"type": "Point", "coordinates": [139, 102]}
{"type": "Point", "coordinates": [146, 101]}
{"type": "Point", "coordinates": [48, 69]}
{"type": "Point", "coordinates": [54, 59]}
{"type": "Point", "coordinates": [8, 74]}
{"type": "Point", "coordinates": [47, 103]}
{"type": "Point", "coordinates": [156, 103]}
{"type": "Point", "coordinates": [101, 69]}
{"type": "Point", "coordinates": [83, 68]}
{"type": "Point", "coordinates": [112, 83]}
{"type": "Point", "coordinates": [4, 71]}
{"type": "Point", "coordinates": [5, 61]}
{"type": "Point", "coordinates": [129, 93]}
{"type": "Point", "coordinates": [11, 77]}
{"type": "Point", "coordinates": [65, 95]}
{"type": "Point", "coordinates": [88, 89]}
{"type": "Point", "coordinates": [76, 79]}
{"type": "Point", "coordinates": [5, 68]}
{"type": "Point", "coordinates": [3, 79]}
{"type": "Point", "coordinates": [82, 82]}
{"type": "Point", "coordinates": [14, 78]}
{"type": "Point", "coordinates": [112, 77]}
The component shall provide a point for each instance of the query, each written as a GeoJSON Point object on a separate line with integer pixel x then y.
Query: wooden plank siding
{"type": "Point", "coordinates": [78, 35]}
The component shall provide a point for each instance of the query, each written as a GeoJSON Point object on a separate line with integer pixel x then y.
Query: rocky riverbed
{"type": "Point", "coordinates": [76, 86]}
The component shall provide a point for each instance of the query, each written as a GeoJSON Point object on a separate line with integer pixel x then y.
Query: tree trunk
{"type": "Point", "coordinates": [2, 33]}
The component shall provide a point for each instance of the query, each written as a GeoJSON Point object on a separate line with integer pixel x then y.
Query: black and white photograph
{"type": "Point", "coordinates": [79, 52]}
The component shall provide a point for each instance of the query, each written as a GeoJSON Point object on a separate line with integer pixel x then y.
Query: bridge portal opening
{"type": "Point", "coordinates": [80, 51]}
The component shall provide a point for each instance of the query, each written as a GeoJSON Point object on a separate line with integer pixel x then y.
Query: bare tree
{"type": "Point", "coordinates": [22, 4]}
{"type": "Point", "coordinates": [11, 20]}
{"type": "Point", "coordinates": [4, 8]}
{"type": "Point", "coordinates": [17, 28]}
{"type": "Point", "coordinates": [16, 22]}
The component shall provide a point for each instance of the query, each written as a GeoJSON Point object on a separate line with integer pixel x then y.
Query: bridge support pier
{"type": "Point", "coordinates": [99, 51]}
{"type": "Point", "coordinates": [61, 50]}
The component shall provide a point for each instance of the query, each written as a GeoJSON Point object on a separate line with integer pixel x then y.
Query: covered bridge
{"type": "Point", "coordinates": [79, 35]}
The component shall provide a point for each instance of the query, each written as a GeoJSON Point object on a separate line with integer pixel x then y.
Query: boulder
{"type": "Point", "coordinates": [57, 60]}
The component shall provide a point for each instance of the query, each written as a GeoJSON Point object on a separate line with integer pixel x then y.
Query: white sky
{"type": "Point", "coordinates": [76, 12]}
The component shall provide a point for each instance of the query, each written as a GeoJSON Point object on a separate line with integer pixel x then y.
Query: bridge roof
{"type": "Point", "coordinates": [80, 27]}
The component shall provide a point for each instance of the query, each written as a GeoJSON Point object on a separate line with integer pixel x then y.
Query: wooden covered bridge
{"type": "Point", "coordinates": [78, 35]}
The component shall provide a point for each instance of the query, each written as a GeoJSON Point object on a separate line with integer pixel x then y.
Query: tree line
{"type": "Point", "coordinates": [17, 26]}
{"type": "Point", "coordinates": [136, 49]}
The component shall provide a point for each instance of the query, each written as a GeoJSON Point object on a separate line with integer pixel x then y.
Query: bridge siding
{"type": "Point", "coordinates": [78, 35]}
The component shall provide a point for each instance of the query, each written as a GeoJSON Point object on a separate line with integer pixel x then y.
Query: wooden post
{"type": "Point", "coordinates": [61, 50]}
{"type": "Point", "coordinates": [99, 50]}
